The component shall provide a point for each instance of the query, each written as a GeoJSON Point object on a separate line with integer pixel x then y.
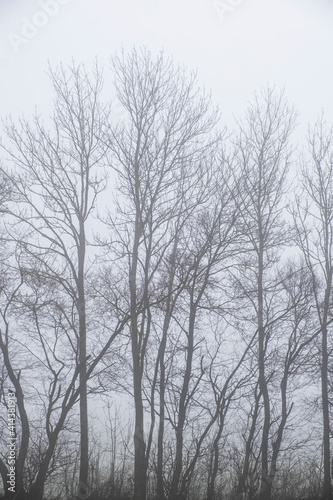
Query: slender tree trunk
{"type": "Point", "coordinates": [277, 443]}
{"type": "Point", "coordinates": [36, 491]}
{"type": "Point", "coordinates": [140, 472]}
{"type": "Point", "coordinates": [215, 460]}
{"type": "Point", "coordinates": [265, 480]}
{"type": "Point", "coordinates": [160, 447]}
{"type": "Point", "coordinates": [182, 408]}
{"type": "Point", "coordinates": [84, 451]}
{"type": "Point", "coordinates": [327, 486]}
{"type": "Point", "coordinates": [167, 318]}
{"type": "Point", "coordinates": [160, 485]}
{"type": "Point", "coordinates": [25, 429]}
{"type": "Point", "coordinates": [248, 448]}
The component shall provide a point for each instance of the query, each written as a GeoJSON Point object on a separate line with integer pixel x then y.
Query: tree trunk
{"type": "Point", "coordinates": [182, 408]}
{"type": "Point", "coordinates": [84, 451]}
{"type": "Point", "coordinates": [327, 487]}
{"type": "Point", "coordinates": [248, 447]}
{"type": "Point", "coordinates": [264, 493]}
{"type": "Point", "coordinates": [140, 472]}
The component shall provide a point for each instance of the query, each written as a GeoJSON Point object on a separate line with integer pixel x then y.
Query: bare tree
{"type": "Point", "coordinates": [8, 294]}
{"type": "Point", "coordinates": [263, 156]}
{"type": "Point", "coordinates": [313, 216]}
{"type": "Point", "coordinates": [57, 178]}
{"type": "Point", "coordinates": [159, 153]}
{"type": "Point", "coordinates": [210, 245]}
{"type": "Point", "coordinates": [10, 283]}
{"type": "Point", "coordinates": [211, 327]}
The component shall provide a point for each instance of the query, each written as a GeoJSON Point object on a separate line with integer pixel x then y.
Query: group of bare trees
{"type": "Point", "coordinates": [182, 272]}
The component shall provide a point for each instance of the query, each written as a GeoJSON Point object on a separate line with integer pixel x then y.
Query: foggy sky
{"type": "Point", "coordinates": [238, 46]}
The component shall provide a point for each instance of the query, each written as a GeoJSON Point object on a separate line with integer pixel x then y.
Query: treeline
{"type": "Point", "coordinates": [178, 276]}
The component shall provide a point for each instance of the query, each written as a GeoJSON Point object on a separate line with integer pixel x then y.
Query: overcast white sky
{"type": "Point", "coordinates": [238, 46]}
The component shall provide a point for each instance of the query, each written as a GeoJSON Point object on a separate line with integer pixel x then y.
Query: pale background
{"type": "Point", "coordinates": [238, 46]}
